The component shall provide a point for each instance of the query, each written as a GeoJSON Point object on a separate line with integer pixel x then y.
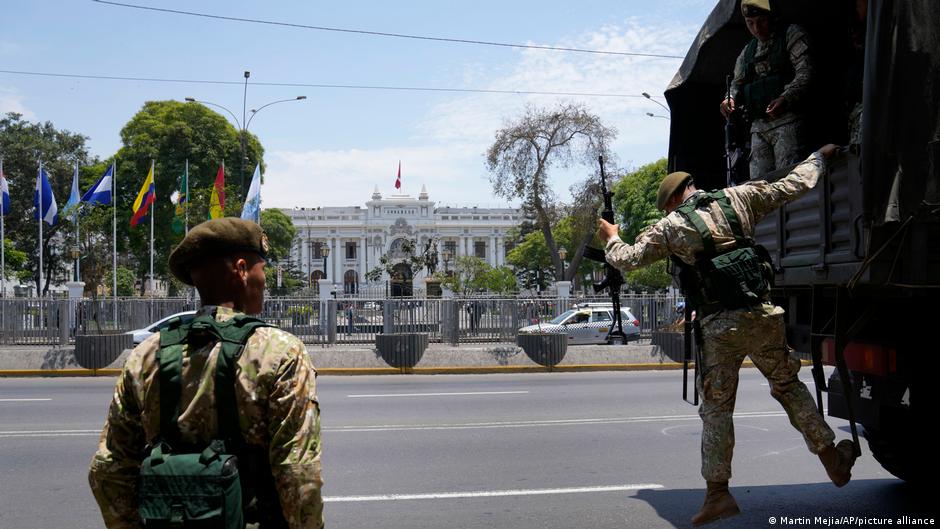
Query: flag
{"type": "Point", "coordinates": [217, 200]}
{"type": "Point", "coordinates": [145, 198]}
{"type": "Point", "coordinates": [180, 199]}
{"type": "Point", "coordinates": [252, 207]}
{"type": "Point", "coordinates": [398, 179]}
{"type": "Point", "coordinates": [5, 191]}
{"type": "Point", "coordinates": [48, 211]}
{"type": "Point", "coordinates": [71, 207]}
{"type": "Point", "coordinates": [100, 193]}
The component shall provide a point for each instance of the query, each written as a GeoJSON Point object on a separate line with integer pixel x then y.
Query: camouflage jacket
{"type": "Point", "coordinates": [279, 413]}
{"type": "Point", "coordinates": [752, 201]}
{"type": "Point", "coordinates": [796, 90]}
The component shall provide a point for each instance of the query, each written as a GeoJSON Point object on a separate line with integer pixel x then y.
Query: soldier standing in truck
{"type": "Point", "coordinates": [772, 77]}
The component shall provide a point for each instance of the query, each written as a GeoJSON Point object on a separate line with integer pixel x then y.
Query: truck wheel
{"type": "Point", "coordinates": [897, 454]}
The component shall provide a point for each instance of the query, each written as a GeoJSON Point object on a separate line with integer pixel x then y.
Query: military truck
{"type": "Point", "coordinates": [858, 257]}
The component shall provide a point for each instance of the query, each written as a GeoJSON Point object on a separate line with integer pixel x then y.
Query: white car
{"type": "Point", "coordinates": [590, 323]}
{"type": "Point", "coordinates": [142, 334]}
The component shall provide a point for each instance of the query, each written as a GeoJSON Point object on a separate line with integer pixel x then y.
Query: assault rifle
{"type": "Point", "coordinates": [734, 151]}
{"type": "Point", "coordinates": [613, 279]}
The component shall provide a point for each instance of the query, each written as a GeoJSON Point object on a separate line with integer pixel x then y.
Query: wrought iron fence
{"type": "Point", "coordinates": [345, 320]}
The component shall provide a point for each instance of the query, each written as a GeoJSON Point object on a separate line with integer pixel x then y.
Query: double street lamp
{"type": "Point", "coordinates": [244, 123]}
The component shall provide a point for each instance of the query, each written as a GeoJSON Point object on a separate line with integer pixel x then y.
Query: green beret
{"type": "Point", "coordinates": [216, 238]}
{"type": "Point", "coordinates": [672, 183]}
{"type": "Point", "coordinates": [755, 8]}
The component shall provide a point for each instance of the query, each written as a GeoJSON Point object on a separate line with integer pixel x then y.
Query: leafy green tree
{"type": "Point", "coordinates": [524, 152]}
{"type": "Point", "coordinates": [635, 203]}
{"type": "Point", "coordinates": [23, 144]}
{"type": "Point", "coordinates": [125, 281]}
{"type": "Point", "coordinates": [500, 280]}
{"type": "Point", "coordinates": [170, 133]}
{"type": "Point", "coordinates": [281, 233]}
{"type": "Point", "coordinates": [15, 259]}
{"type": "Point", "coordinates": [532, 252]}
{"type": "Point", "coordinates": [467, 276]}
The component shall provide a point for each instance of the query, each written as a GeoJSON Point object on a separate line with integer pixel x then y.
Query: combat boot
{"type": "Point", "coordinates": [719, 503]}
{"type": "Point", "coordinates": [838, 461]}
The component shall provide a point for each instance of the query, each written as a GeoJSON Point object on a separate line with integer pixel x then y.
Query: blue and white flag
{"type": "Point", "coordinates": [48, 211]}
{"type": "Point", "coordinates": [100, 193]}
{"type": "Point", "coordinates": [71, 207]}
{"type": "Point", "coordinates": [252, 208]}
{"type": "Point", "coordinates": [5, 190]}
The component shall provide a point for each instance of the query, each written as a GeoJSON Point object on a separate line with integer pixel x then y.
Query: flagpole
{"type": "Point", "coordinates": [3, 245]}
{"type": "Point", "coordinates": [153, 210]}
{"type": "Point", "coordinates": [39, 215]}
{"type": "Point", "coordinates": [78, 237]}
{"type": "Point", "coordinates": [114, 272]}
{"type": "Point", "coordinates": [186, 195]}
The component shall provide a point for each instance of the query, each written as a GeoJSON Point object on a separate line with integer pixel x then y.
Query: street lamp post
{"type": "Point", "coordinates": [325, 250]}
{"type": "Point", "coordinates": [650, 114]}
{"type": "Point", "coordinates": [647, 96]}
{"type": "Point", "coordinates": [243, 124]}
{"type": "Point", "coordinates": [447, 255]}
{"type": "Point", "coordinates": [562, 253]}
{"type": "Point", "coordinates": [76, 254]}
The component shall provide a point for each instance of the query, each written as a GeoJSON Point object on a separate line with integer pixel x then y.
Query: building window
{"type": "Point", "coordinates": [318, 250]}
{"type": "Point", "coordinates": [350, 250]}
{"type": "Point", "coordinates": [479, 249]}
{"type": "Point", "coordinates": [451, 246]}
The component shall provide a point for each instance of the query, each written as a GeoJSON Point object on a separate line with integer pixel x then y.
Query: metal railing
{"type": "Point", "coordinates": [345, 320]}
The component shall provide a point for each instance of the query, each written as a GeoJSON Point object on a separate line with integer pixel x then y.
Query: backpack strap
{"type": "Point", "coordinates": [731, 216]}
{"type": "Point", "coordinates": [687, 210]}
{"type": "Point", "coordinates": [232, 334]}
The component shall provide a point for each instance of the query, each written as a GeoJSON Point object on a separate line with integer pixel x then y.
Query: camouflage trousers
{"type": "Point", "coordinates": [776, 147]}
{"type": "Point", "coordinates": [759, 333]}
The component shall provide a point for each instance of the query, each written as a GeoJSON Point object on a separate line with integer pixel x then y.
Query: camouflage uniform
{"type": "Point", "coordinates": [730, 335]}
{"type": "Point", "coordinates": [777, 143]}
{"type": "Point", "coordinates": [279, 414]}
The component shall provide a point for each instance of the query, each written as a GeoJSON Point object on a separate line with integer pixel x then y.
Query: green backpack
{"type": "Point", "coordinates": [196, 487]}
{"type": "Point", "coordinates": [740, 277]}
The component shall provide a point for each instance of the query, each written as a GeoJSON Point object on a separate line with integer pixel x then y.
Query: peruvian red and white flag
{"type": "Point", "coordinates": [398, 178]}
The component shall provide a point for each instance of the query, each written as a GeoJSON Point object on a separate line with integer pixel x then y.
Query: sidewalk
{"type": "Point", "coordinates": [363, 359]}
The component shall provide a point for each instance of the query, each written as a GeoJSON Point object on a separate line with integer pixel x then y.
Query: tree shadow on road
{"type": "Point", "coordinates": [876, 498]}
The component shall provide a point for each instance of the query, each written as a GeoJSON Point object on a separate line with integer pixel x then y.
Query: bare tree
{"type": "Point", "coordinates": [526, 148]}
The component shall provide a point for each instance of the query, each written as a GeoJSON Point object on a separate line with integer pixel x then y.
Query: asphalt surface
{"type": "Point", "coordinates": [536, 450]}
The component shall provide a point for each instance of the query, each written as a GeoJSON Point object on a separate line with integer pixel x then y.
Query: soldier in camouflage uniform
{"type": "Point", "coordinates": [729, 335]}
{"type": "Point", "coordinates": [275, 391]}
{"type": "Point", "coordinates": [771, 79]}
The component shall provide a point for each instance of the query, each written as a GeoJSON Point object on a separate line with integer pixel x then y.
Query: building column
{"type": "Point", "coordinates": [501, 251]}
{"type": "Point", "coordinates": [337, 262]}
{"type": "Point", "coordinates": [361, 254]}
{"type": "Point", "coordinates": [460, 247]}
{"type": "Point", "coordinates": [491, 257]}
{"type": "Point", "coordinates": [304, 257]}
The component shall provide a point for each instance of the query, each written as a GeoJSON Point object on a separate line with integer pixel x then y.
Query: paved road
{"type": "Point", "coordinates": [565, 450]}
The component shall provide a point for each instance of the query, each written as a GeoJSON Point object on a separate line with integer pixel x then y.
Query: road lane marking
{"type": "Point", "coordinates": [491, 493]}
{"type": "Point", "coordinates": [452, 426]}
{"type": "Point", "coordinates": [47, 433]}
{"type": "Point", "coordinates": [437, 394]}
{"type": "Point", "coordinates": [24, 400]}
{"type": "Point", "coordinates": [537, 423]}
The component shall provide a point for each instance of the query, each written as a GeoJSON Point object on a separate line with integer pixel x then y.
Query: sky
{"type": "Point", "coordinates": [335, 147]}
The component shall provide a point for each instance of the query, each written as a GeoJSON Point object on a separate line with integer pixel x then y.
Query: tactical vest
{"type": "Point", "coordinates": [225, 484]}
{"type": "Point", "coordinates": [766, 77]}
{"type": "Point", "coordinates": [737, 278]}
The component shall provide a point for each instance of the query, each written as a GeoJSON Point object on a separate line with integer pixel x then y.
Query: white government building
{"type": "Point", "coordinates": [358, 236]}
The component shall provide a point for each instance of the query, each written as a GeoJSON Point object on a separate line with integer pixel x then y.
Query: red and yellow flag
{"type": "Point", "coordinates": [145, 198]}
{"type": "Point", "coordinates": [217, 199]}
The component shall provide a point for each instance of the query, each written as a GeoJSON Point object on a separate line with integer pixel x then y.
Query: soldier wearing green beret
{"type": "Point", "coordinates": [772, 77]}
{"type": "Point", "coordinates": [702, 233]}
{"type": "Point", "coordinates": [275, 393]}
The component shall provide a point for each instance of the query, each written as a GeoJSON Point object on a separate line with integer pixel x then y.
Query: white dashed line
{"type": "Point", "coordinates": [491, 493]}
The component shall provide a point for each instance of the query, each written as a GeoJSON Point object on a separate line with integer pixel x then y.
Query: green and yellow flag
{"type": "Point", "coordinates": [217, 200]}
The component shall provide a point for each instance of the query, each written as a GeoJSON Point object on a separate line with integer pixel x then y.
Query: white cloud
{"type": "Point", "coordinates": [446, 146]}
{"type": "Point", "coordinates": [11, 101]}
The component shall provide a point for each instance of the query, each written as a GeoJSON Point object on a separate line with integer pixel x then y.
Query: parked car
{"type": "Point", "coordinates": [589, 323]}
{"type": "Point", "coordinates": [142, 334]}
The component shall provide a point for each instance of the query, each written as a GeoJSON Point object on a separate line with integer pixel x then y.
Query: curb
{"type": "Point", "coordinates": [352, 371]}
